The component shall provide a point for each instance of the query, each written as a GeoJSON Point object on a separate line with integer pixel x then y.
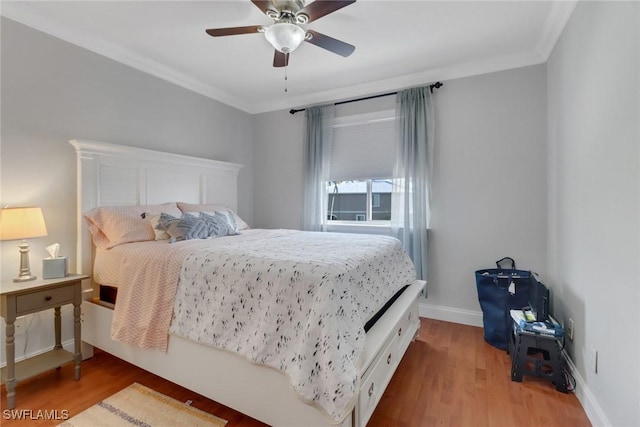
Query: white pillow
{"type": "Point", "coordinates": [114, 225]}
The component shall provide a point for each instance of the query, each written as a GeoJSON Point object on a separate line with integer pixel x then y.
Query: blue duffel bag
{"type": "Point", "coordinates": [499, 291]}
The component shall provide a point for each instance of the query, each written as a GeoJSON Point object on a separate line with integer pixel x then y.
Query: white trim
{"type": "Point", "coordinates": [557, 18]}
{"type": "Point", "coordinates": [450, 314]}
{"type": "Point", "coordinates": [553, 26]}
{"type": "Point", "coordinates": [366, 227]}
{"type": "Point", "coordinates": [27, 15]}
{"type": "Point", "coordinates": [457, 71]}
{"type": "Point", "coordinates": [591, 407]}
{"type": "Point", "coordinates": [589, 403]}
{"type": "Point", "coordinates": [150, 156]}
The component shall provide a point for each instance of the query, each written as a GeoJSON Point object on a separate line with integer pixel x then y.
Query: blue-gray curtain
{"type": "Point", "coordinates": [317, 151]}
{"type": "Point", "coordinates": [412, 173]}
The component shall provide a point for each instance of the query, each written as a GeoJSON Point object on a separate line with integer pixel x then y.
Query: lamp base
{"type": "Point", "coordinates": [25, 278]}
{"type": "Point", "coordinates": [25, 272]}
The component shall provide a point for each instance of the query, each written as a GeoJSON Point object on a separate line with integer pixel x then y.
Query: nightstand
{"type": "Point", "coordinates": [23, 298]}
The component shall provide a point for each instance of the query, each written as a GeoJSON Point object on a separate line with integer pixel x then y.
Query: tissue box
{"type": "Point", "coordinates": [53, 268]}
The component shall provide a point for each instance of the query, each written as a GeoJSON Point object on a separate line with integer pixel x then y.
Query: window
{"type": "Point", "coordinates": [362, 157]}
{"type": "Point", "coordinates": [363, 200]}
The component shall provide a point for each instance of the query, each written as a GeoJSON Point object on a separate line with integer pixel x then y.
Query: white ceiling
{"type": "Point", "coordinates": [398, 44]}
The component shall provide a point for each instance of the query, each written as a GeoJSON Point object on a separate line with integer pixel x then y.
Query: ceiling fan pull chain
{"type": "Point", "coordinates": [285, 78]}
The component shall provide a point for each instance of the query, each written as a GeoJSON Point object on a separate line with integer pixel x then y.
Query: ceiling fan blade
{"type": "Point", "coordinates": [232, 31]}
{"type": "Point", "coordinates": [331, 44]}
{"type": "Point", "coordinates": [280, 59]}
{"type": "Point", "coordinates": [320, 8]}
{"type": "Point", "coordinates": [263, 5]}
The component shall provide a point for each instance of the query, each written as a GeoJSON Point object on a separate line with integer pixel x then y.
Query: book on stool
{"type": "Point", "coordinates": [526, 321]}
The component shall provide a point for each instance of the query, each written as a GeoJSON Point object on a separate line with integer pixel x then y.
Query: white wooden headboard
{"type": "Point", "coordinates": [118, 175]}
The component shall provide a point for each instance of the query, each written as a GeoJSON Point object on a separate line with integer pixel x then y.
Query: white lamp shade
{"type": "Point", "coordinates": [21, 223]}
{"type": "Point", "coordinates": [284, 36]}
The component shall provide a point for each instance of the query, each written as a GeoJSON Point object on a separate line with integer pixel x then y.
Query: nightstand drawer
{"type": "Point", "coordinates": [40, 300]}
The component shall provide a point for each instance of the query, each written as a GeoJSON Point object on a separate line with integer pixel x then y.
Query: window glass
{"type": "Point", "coordinates": [359, 200]}
{"type": "Point", "coordinates": [363, 150]}
{"type": "Point", "coordinates": [347, 200]}
{"type": "Point", "coordinates": [381, 191]}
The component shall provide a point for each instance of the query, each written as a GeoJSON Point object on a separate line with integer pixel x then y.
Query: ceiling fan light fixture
{"type": "Point", "coordinates": [273, 14]}
{"type": "Point", "coordinates": [284, 36]}
{"type": "Point", "coordinates": [302, 18]}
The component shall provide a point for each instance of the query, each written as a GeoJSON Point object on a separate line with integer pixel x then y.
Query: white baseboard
{"type": "Point", "coordinates": [450, 314]}
{"type": "Point", "coordinates": [67, 345]}
{"type": "Point", "coordinates": [594, 411]}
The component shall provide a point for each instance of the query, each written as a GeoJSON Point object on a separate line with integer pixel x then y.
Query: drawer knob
{"type": "Point", "coordinates": [371, 390]}
{"type": "Point", "coordinates": [48, 298]}
{"type": "Point", "coordinates": [389, 359]}
{"type": "Point", "coordinates": [400, 332]}
{"type": "Point", "coordinates": [410, 315]}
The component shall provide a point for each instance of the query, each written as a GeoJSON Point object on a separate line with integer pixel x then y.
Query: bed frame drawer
{"type": "Point", "coordinates": [374, 384]}
{"type": "Point", "coordinates": [377, 377]}
{"type": "Point", "coordinates": [408, 327]}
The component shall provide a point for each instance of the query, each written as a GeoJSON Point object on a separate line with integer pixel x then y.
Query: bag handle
{"type": "Point", "coordinates": [513, 263]}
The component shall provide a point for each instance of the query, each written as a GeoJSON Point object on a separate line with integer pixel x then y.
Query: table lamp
{"type": "Point", "coordinates": [22, 224]}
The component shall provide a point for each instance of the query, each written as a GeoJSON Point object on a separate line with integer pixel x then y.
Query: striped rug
{"type": "Point", "coordinates": [140, 406]}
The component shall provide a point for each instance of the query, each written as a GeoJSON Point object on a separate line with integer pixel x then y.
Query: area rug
{"type": "Point", "coordinates": [140, 406]}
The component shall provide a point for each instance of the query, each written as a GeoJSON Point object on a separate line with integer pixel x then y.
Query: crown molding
{"type": "Point", "coordinates": [557, 19]}
{"type": "Point", "coordinates": [26, 15]}
{"type": "Point", "coordinates": [455, 71]}
{"type": "Point", "coordinates": [559, 14]}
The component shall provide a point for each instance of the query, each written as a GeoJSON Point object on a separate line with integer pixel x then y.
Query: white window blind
{"type": "Point", "coordinates": [363, 147]}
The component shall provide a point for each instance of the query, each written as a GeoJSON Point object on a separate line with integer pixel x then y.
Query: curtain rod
{"type": "Point", "coordinates": [436, 85]}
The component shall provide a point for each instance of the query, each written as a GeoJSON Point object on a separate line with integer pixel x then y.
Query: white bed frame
{"type": "Point", "coordinates": [111, 175]}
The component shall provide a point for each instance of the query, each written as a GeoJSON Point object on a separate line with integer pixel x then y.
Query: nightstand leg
{"type": "Point", "coordinates": [11, 368]}
{"type": "Point", "coordinates": [57, 322]}
{"type": "Point", "coordinates": [77, 357]}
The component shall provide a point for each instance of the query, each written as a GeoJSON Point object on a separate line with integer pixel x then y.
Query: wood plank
{"type": "Point", "coordinates": [449, 376]}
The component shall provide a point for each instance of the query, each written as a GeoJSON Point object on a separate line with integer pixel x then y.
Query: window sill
{"type": "Point", "coordinates": [371, 227]}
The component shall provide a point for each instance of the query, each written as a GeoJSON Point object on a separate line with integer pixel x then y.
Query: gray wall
{"type": "Point", "coordinates": [489, 184]}
{"type": "Point", "coordinates": [278, 185]}
{"type": "Point", "coordinates": [489, 180]}
{"type": "Point", "coordinates": [594, 200]}
{"type": "Point", "coordinates": [540, 163]}
{"type": "Point", "coordinates": [53, 91]}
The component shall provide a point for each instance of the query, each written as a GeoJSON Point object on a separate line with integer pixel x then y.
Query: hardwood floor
{"type": "Point", "coordinates": [449, 377]}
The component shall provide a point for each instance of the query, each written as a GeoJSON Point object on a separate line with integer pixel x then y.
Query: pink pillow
{"type": "Point", "coordinates": [189, 207]}
{"type": "Point", "coordinates": [114, 225]}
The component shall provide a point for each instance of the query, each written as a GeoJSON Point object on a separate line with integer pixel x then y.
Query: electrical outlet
{"type": "Point", "coordinates": [20, 325]}
{"type": "Point", "coordinates": [570, 329]}
{"type": "Point", "coordinates": [593, 356]}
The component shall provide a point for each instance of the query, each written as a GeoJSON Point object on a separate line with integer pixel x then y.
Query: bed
{"type": "Point", "coordinates": [112, 175]}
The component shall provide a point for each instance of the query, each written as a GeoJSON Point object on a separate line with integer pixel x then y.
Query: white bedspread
{"type": "Point", "coordinates": [295, 301]}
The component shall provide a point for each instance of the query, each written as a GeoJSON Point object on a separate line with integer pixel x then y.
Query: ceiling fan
{"type": "Point", "coordinates": [286, 33]}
